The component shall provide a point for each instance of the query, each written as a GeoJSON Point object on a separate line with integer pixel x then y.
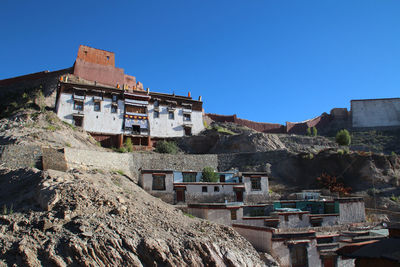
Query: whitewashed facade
{"type": "Point", "coordinates": [135, 114]}
{"type": "Point", "coordinates": [102, 121]}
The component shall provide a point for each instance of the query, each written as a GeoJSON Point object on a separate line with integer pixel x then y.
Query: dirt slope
{"type": "Point", "coordinates": [104, 219]}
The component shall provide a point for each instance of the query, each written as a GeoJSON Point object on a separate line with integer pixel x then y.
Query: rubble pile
{"type": "Point", "coordinates": [103, 218]}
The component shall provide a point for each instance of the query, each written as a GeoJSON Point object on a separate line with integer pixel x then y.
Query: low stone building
{"type": "Point", "coordinates": [187, 187]}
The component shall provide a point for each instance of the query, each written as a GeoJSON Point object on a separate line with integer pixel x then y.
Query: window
{"type": "Point", "coordinates": [114, 108]}
{"type": "Point", "coordinates": [78, 105]}
{"type": "Point", "coordinates": [114, 98]}
{"type": "Point", "coordinates": [216, 188]}
{"type": "Point", "coordinates": [156, 114]}
{"type": "Point", "coordinates": [158, 182]}
{"type": "Point", "coordinates": [189, 177]}
{"type": "Point", "coordinates": [255, 184]}
{"type": "Point", "coordinates": [171, 115]}
{"type": "Point", "coordinates": [222, 178]}
{"type": "Point", "coordinates": [186, 117]}
{"type": "Point", "coordinates": [108, 57]}
{"type": "Point", "coordinates": [97, 106]}
{"type": "Point", "coordinates": [204, 189]}
{"type": "Point", "coordinates": [77, 121]}
{"type": "Point", "coordinates": [233, 215]}
{"type": "Point", "coordinates": [156, 103]}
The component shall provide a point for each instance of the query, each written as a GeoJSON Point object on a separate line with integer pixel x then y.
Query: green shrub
{"type": "Point", "coordinates": [166, 147]}
{"type": "Point", "coordinates": [314, 131]}
{"type": "Point", "coordinates": [209, 175]}
{"type": "Point", "coordinates": [189, 215]}
{"type": "Point", "coordinates": [394, 198]}
{"type": "Point", "coordinates": [343, 138]}
{"type": "Point", "coordinates": [119, 150]}
{"type": "Point", "coordinates": [40, 100]}
{"type": "Point", "coordinates": [308, 131]}
{"type": "Point", "coordinates": [223, 130]}
{"type": "Point", "coordinates": [73, 127]}
{"type": "Point", "coordinates": [128, 145]}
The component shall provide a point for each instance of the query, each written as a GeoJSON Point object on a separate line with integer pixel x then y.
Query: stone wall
{"type": "Point", "coordinates": [254, 161]}
{"type": "Point", "coordinates": [21, 156]}
{"type": "Point", "coordinates": [54, 159]}
{"type": "Point", "coordinates": [90, 159]}
{"type": "Point", "coordinates": [130, 163]}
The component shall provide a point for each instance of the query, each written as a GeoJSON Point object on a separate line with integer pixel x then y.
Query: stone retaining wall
{"type": "Point", "coordinates": [21, 156]}
{"type": "Point", "coordinates": [130, 163]}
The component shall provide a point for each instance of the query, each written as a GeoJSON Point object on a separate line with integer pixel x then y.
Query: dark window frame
{"type": "Point", "coordinates": [255, 184]}
{"type": "Point", "coordinates": [171, 115]}
{"type": "Point", "coordinates": [156, 114]}
{"type": "Point", "coordinates": [76, 105]}
{"type": "Point", "coordinates": [158, 183]}
{"type": "Point", "coordinates": [190, 179]}
{"type": "Point", "coordinates": [185, 116]}
{"type": "Point", "coordinates": [114, 108]}
{"type": "Point", "coordinates": [97, 106]}
{"type": "Point", "coordinates": [204, 189]}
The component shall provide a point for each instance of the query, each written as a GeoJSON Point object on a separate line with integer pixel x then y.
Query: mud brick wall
{"type": "Point", "coordinates": [48, 81]}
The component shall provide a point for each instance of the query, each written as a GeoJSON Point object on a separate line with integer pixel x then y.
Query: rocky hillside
{"type": "Point", "coordinates": [228, 137]}
{"type": "Point", "coordinates": [103, 219]}
{"type": "Point", "coordinates": [30, 127]}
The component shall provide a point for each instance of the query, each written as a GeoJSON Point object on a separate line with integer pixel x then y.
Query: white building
{"type": "Point", "coordinates": [111, 115]}
{"type": "Point", "coordinates": [186, 186]}
{"type": "Point", "coordinates": [174, 116]}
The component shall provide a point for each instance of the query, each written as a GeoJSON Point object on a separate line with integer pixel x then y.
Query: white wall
{"type": "Point", "coordinates": [352, 212]}
{"type": "Point", "coordinates": [256, 196]}
{"type": "Point", "coordinates": [376, 113]}
{"type": "Point", "coordinates": [100, 122]}
{"type": "Point", "coordinates": [165, 127]}
{"type": "Point", "coordinates": [261, 240]}
{"type": "Point", "coordinates": [282, 252]}
{"type": "Point", "coordinates": [146, 182]}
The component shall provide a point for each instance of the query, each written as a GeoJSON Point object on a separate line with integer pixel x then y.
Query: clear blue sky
{"type": "Point", "coordinates": [265, 60]}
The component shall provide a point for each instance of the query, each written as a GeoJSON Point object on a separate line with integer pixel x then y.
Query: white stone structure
{"type": "Point", "coordinates": [375, 112]}
{"type": "Point", "coordinates": [174, 116]}
{"type": "Point", "coordinates": [119, 113]}
{"type": "Point", "coordinates": [248, 190]}
{"type": "Point", "coordinates": [103, 120]}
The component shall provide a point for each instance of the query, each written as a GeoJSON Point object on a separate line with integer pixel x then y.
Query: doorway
{"type": "Point", "coordinates": [239, 196]}
{"type": "Point", "coordinates": [180, 195]}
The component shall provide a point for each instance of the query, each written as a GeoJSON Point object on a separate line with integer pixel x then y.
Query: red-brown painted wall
{"type": "Point", "coordinates": [108, 75]}
{"type": "Point", "coordinates": [96, 56]}
{"type": "Point", "coordinates": [301, 127]}
{"type": "Point", "coordinates": [258, 126]}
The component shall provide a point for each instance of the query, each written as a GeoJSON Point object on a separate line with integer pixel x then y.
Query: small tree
{"type": "Point", "coordinates": [343, 138]}
{"type": "Point", "coordinates": [314, 131]}
{"type": "Point", "coordinates": [209, 175]}
{"type": "Point", "coordinates": [128, 144]}
{"type": "Point", "coordinates": [166, 147]}
{"type": "Point", "coordinates": [308, 131]}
